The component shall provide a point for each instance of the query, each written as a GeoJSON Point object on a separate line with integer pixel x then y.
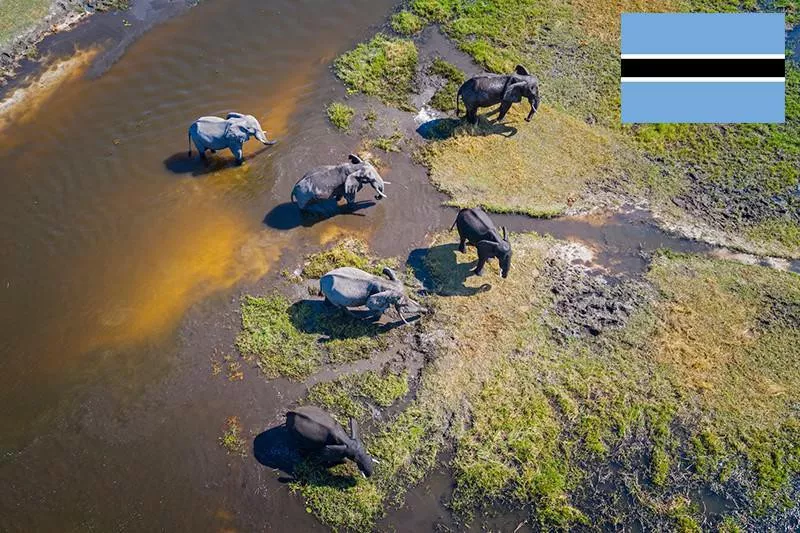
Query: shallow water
{"type": "Point", "coordinates": [122, 258]}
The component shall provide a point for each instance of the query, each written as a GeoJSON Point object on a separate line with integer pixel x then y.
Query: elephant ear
{"type": "Point", "coordinates": [238, 132]}
{"type": "Point", "coordinates": [487, 249]}
{"type": "Point", "coordinates": [233, 114]}
{"type": "Point", "coordinates": [352, 184]}
{"type": "Point", "coordinates": [513, 92]}
{"type": "Point", "coordinates": [522, 71]}
{"type": "Point", "coordinates": [355, 159]}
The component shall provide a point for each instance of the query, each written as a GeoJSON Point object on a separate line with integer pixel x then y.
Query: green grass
{"type": "Point", "coordinates": [231, 438]}
{"type": "Point", "coordinates": [445, 98]}
{"type": "Point", "coordinates": [384, 67]}
{"type": "Point", "coordinates": [350, 396]}
{"type": "Point", "coordinates": [697, 388]}
{"type": "Point", "coordinates": [725, 177]}
{"type": "Point", "coordinates": [18, 15]}
{"type": "Point", "coordinates": [294, 340]}
{"type": "Point", "coordinates": [388, 144]}
{"type": "Point", "coordinates": [345, 253]}
{"type": "Point", "coordinates": [406, 23]}
{"type": "Point", "coordinates": [340, 115]}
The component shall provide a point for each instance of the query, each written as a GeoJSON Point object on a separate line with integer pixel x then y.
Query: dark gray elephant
{"type": "Point", "coordinates": [475, 227]}
{"type": "Point", "coordinates": [337, 182]}
{"type": "Point", "coordinates": [486, 90]}
{"type": "Point", "coordinates": [350, 287]}
{"type": "Point", "coordinates": [314, 431]}
{"type": "Point", "coordinates": [214, 133]}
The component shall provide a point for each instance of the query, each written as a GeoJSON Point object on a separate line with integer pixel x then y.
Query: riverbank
{"type": "Point", "coordinates": [23, 25]}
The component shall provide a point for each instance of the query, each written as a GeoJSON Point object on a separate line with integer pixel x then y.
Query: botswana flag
{"type": "Point", "coordinates": [718, 68]}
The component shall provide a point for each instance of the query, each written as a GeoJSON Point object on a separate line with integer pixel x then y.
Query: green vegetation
{"type": "Point", "coordinates": [698, 388]}
{"type": "Point", "coordinates": [445, 98]}
{"type": "Point", "coordinates": [345, 253]}
{"type": "Point", "coordinates": [387, 144]}
{"type": "Point", "coordinates": [294, 340]}
{"type": "Point", "coordinates": [542, 170]}
{"type": "Point", "coordinates": [738, 180]}
{"type": "Point", "coordinates": [18, 15]}
{"type": "Point", "coordinates": [231, 438]}
{"type": "Point", "coordinates": [406, 23]}
{"type": "Point", "coordinates": [383, 67]}
{"type": "Point", "coordinates": [348, 396]}
{"type": "Point", "coordinates": [340, 115]}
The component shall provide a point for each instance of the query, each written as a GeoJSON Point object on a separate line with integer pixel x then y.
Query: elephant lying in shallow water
{"type": "Point", "coordinates": [214, 133]}
{"type": "Point", "coordinates": [350, 287]}
{"type": "Point", "coordinates": [337, 182]}
{"type": "Point", "coordinates": [487, 90]}
{"type": "Point", "coordinates": [315, 431]}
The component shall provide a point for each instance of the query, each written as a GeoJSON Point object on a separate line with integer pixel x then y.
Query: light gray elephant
{"type": "Point", "coordinates": [337, 182]}
{"type": "Point", "coordinates": [487, 90]}
{"type": "Point", "coordinates": [350, 287]}
{"type": "Point", "coordinates": [214, 133]}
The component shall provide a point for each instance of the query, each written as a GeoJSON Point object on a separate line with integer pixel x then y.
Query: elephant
{"type": "Point", "coordinates": [337, 181]}
{"type": "Point", "coordinates": [475, 227]}
{"type": "Point", "coordinates": [350, 287]}
{"type": "Point", "coordinates": [314, 431]}
{"type": "Point", "coordinates": [214, 133]}
{"type": "Point", "coordinates": [486, 90]}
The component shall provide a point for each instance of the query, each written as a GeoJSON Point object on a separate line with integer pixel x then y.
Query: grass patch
{"type": "Point", "coordinates": [340, 115]}
{"type": "Point", "coordinates": [697, 388]}
{"type": "Point", "coordinates": [231, 438]}
{"type": "Point", "coordinates": [542, 170]}
{"type": "Point", "coordinates": [407, 23]}
{"type": "Point", "coordinates": [17, 16]}
{"type": "Point", "coordinates": [345, 253]}
{"type": "Point", "coordinates": [350, 396]}
{"type": "Point", "coordinates": [293, 340]}
{"type": "Point", "coordinates": [735, 178]}
{"type": "Point", "coordinates": [384, 67]}
{"type": "Point", "coordinates": [444, 99]}
{"type": "Point", "coordinates": [387, 144]}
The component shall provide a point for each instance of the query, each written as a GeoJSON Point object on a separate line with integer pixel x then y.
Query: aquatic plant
{"type": "Point", "coordinates": [340, 115]}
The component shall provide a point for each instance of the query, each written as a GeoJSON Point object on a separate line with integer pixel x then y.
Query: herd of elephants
{"type": "Point", "coordinates": [313, 430]}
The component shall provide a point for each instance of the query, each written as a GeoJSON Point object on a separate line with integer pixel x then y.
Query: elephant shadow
{"type": "Point", "coordinates": [438, 269]}
{"type": "Point", "coordinates": [275, 449]}
{"type": "Point", "coordinates": [183, 163]}
{"type": "Point", "coordinates": [440, 129]}
{"type": "Point", "coordinates": [332, 324]}
{"type": "Point", "coordinates": [288, 216]}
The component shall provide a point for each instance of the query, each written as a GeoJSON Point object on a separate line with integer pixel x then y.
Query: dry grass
{"type": "Point", "coordinates": [542, 170]}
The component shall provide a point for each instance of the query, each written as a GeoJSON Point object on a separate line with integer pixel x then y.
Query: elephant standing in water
{"type": "Point", "coordinates": [487, 90]}
{"type": "Point", "coordinates": [337, 182]}
{"type": "Point", "coordinates": [214, 133]}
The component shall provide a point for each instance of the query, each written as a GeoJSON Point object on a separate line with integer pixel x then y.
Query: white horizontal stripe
{"type": "Point", "coordinates": [702, 56]}
{"type": "Point", "coordinates": [702, 80]}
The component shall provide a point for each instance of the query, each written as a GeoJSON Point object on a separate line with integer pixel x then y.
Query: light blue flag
{"type": "Point", "coordinates": [703, 68]}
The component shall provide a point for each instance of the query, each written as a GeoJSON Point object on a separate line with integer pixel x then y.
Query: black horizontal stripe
{"type": "Point", "coordinates": [694, 68]}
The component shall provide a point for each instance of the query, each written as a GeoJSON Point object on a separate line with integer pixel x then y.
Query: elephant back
{"type": "Point", "coordinates": [311, 427]}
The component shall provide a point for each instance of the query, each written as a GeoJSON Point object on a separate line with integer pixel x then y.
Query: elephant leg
{"type": "Point", "coordinates": [462, 246]}
{"type": "Point", "coordinates": [202, 153]}
{"type": "Point", "coordinates": [472, 115]}
{"type": "Point", "coordinates": [504, 107]}
{"type": "Point", "coordinates": [237, 153]}
{"type": "Point", "coordinates": [479, 267]}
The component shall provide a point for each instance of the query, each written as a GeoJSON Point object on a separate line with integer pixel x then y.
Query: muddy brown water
{"type": "Point", "coordinates": [122, 260]}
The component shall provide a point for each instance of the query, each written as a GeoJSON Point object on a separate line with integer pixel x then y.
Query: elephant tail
{"type": "Point", "coordinates": [292, 198]}
{"type": "Point", "coordinates": [455, 222]}
{"type": "Point", "coordinates": [190, 142]}
{"type": "Point", "coordinates": [458, 97]}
